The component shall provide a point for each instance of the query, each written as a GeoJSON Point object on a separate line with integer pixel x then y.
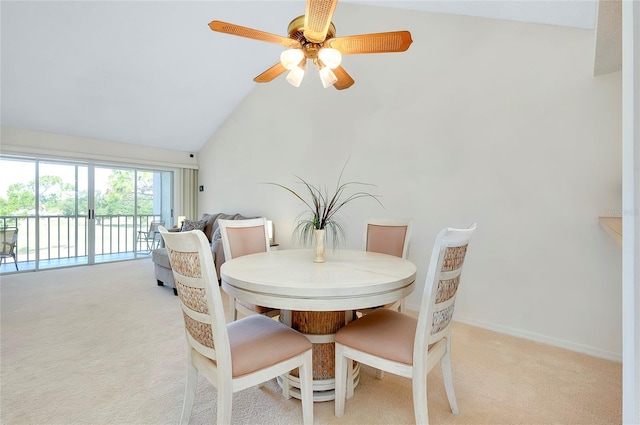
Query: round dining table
{"type": "Point", "coordinates": [317, 299]}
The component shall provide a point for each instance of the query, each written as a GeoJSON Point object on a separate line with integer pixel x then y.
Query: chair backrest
{"type": "Point", "coordinates": [197, 285]}
{"type": "Point", "coordinates": [154, 225]}
{"type": "Point", "coordinates": [441, 285]}
{"type": "Point", "coordinates": [244, 237]}
{"type": "Point", "coordinates": [388, 236]}
{"type": "Point", "coordinates": [8, 240]}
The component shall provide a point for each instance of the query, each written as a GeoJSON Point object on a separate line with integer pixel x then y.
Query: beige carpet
{"type": "Point", "coordinates": [105, 345]}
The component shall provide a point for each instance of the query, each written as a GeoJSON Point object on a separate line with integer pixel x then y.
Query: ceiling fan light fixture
{"type": "Point", "coordinates": [330, 57]}
{"type": "Point", "coordinates": [312, 37]}
{"type": "Point", "coordinates": [295, 76]}
{"type": "Point", "coordinates": [291, 58]}
{"type": "Point", "coordinates": [327, 77]}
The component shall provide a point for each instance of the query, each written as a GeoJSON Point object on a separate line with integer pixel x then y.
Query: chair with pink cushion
{"type": "Point", "coordinates": [232, 356]}
{"type": "Point", "coordinates": [244, 237]}
{"type": "Point", "coordinates": [387, 236]}
{"type": "Point", "coordinates": [403, 345]}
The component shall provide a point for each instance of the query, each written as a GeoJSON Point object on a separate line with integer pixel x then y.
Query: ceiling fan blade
{"type": "Point", "coordinates": [395, 41]}
{"type": "Point", "coordinates": [270, 73]}
{"type": "Point", "coordinates": [344, 80]}
{"type": "Point", "coordinates": [317, 19]}
{"type": "Point", "coordinates": [233, 29]}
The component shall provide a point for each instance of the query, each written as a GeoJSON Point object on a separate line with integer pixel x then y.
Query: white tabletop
{"type": "Point", "coordinates": [289, 279]}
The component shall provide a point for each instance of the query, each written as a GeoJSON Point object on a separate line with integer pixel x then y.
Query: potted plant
{"type": "Point", "coordinates": [322, 209]}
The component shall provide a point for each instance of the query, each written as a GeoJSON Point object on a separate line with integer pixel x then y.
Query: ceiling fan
{"type": "Point", "coordinates": [312, 36]}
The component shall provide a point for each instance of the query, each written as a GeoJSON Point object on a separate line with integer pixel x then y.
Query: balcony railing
{"type": "Point", "coordinates": [67, 237]}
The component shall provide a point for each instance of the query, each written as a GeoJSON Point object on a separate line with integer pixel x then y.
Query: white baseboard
{"type": "Point", "coordinates": [579, 348]}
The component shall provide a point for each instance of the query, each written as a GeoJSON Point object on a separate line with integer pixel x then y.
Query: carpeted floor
{"type": "Point", "coordinates": [104, 345]}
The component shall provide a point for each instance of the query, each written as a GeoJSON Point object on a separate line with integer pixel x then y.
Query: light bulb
{"type": "Point", "coordinates": [327, 76]}
{"type": "Point", "coordinates": [294, 77]}
{"type": "Point", "coordinates": [330, 57]}
{"type": "Point", "coordinates": [290, 58]}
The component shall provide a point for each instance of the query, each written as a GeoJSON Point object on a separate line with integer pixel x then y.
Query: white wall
{"type": "Point", "coordinates": [482, 120]}
{"type": "Point", "coordinates": [19, 141]}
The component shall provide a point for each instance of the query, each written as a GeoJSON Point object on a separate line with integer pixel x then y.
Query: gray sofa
{"type": "Point", "coordinates": [160, 258]}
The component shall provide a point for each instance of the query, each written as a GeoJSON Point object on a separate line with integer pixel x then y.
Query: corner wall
{"type": "Point", "coordinates": [501, 123]}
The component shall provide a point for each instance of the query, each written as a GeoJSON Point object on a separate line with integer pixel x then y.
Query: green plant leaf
{"type": "Point", "coordinates": [322, 208]}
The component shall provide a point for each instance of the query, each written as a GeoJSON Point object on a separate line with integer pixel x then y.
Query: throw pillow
{"type": "Point", "coordinates": [193, 225]}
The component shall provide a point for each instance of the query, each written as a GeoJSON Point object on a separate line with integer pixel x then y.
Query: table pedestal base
{"type": "Point", "coordinates": [320, 327]}
{"type": "Point", "coordinates": [323, 389]}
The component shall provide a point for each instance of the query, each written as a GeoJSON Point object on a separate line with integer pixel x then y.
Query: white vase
{"type": "Point", "coordinates": [319, 237]}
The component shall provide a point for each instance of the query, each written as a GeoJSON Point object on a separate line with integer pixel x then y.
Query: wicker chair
{"type": "Point", "coordinates": [244, 237]}
{"type": "Point", "coordinates": [236, 356]}
{"type": "Point", "coordinates": [406, 346]}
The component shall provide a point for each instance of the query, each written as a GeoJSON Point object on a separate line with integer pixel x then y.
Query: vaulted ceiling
{"type": "Point", "coordinates": [153, 73]}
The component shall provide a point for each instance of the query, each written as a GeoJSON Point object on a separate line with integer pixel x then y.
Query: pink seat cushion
{"type": "Point", "coordinates": [258, 341]}
{"type": "Point", "coordinates": [383, 333]}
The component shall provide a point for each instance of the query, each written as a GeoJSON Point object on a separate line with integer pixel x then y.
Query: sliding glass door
{"type": "Point", "coordinates": [153, 199]}
{"type": "Point", "coordinates": [113, 214]}
{"type": "Point", "coordinates": [127, 203]}
{"type": "Point", "coordinates": [17, 211]}
{"type": "Point", "coordinates": [61, 214]}
{"type": "Point", "coordinates": [73, 213]}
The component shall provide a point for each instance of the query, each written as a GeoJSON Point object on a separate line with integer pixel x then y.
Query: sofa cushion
{"type": "Point", "coordinates": [212, 223]}
{"type": "Point", "coordinates": [161, 257]}
{"type": "Point", "coordinates": [208, 229]}
{"type": "Point", "coordinates": [188, 225]}
{"type": "Point", "coordinates": [216, 226]}
{"type": "Point", "coordinates": [217, 236]}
